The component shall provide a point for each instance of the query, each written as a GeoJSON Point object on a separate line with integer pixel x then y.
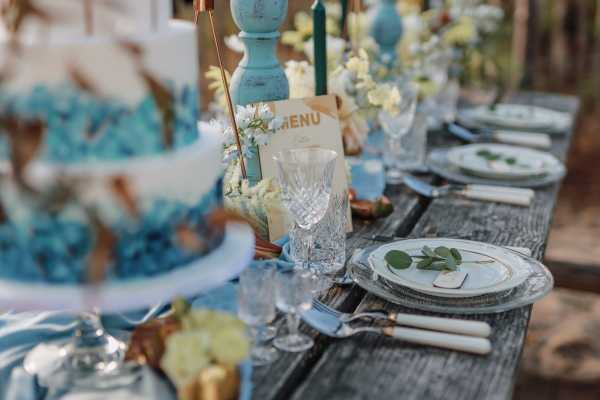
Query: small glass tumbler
{"type": "Point", "coordinates": [256, 307]}
{"type": "Point", "coordinates": [408, 153]}
{"type": "Point", "coordinates": [328, 254]}
{"type": "Point", "coordinates": [294, 295]}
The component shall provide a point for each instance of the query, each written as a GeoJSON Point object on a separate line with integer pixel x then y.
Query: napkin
{"type": "Point", "coordinates": [527, 139]}
{"type": "Point", "coordinates": [368, 178]}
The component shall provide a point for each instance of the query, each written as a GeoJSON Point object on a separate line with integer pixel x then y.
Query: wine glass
{"type": "Point", "coordinates": [306, 177]}
{"type": "Point", "coordinates": [396, 126]}
{"type": "Point", "coordinates": [256, 307]}
{"type": "Point", "coordinates": [294, 295]}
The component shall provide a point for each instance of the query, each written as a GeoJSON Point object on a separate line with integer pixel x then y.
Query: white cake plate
{"type": "Point", "coordinates": [222, 264]}
{"type": "Point", "coordinates": [93, 359]}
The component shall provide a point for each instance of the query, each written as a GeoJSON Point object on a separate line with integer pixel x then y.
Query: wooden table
{"type": "Point", "coordinates": [369, 366]}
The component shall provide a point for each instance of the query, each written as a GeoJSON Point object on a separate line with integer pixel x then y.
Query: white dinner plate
{"type": "Point", "coordinates": [490, 268]}
{"type": "Point", "coordinates": [519, 116]}
{"type": "Point", "coordinates": [514, 163]}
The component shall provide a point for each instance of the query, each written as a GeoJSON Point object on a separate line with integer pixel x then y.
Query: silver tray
{"type": "Point", "coordinates": [438, 163]}
{"type": "Point", "coordinates": [539, 283]}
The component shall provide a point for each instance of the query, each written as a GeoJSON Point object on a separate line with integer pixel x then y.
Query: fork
{"type": "Point", "coordinates": [331, 326]}
{"type": "Point", "coordinates": [451, 325]}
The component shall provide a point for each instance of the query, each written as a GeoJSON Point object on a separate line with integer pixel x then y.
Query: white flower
{"type": "Point", "coordinates": [264, 112]}
{"type": "Point", "coordinates": [234, 43]}
{"type": "Point", "coordinates": [275, 123]}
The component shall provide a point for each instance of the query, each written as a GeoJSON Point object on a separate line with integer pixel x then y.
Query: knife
{"type": "Point", "coordinates": [528, 139]}
{"type": "Point", "coordinates": [514, 196]}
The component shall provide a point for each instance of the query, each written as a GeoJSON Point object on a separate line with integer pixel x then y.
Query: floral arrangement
{"type": "Point", "coordinates": [360, 97]}
{"type": "Point", "coordinates": [255, 123]}
{"type": "Point", "coordinates": [199, 351]}
{"type": "Point", "coordinates": [253, 202]}
{"type": "Point", "coordinates": [453, 33]}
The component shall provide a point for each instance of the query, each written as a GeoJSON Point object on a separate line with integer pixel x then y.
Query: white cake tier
{"type": "Point", "coordinates": [170, 55]}
{"type": "Point", "coordinates": [184, 176]}
{"type": "Point", "coordinates": [96, 17]}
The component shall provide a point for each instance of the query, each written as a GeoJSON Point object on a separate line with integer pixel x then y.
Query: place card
{"type": "Point", "coordinates": [450, 279]}
{"type": "Point", "coordinates": [309, 122]}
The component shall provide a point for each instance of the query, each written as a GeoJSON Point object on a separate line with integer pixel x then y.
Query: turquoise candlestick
{"type": "Point", "coordinates": [387, 30]}
{"type": "Point", "coordinates": [259, 76]}
{"type": "Point", "coordinates": [320, 47]}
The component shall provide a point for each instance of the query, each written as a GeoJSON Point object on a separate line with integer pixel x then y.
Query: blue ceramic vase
{"type": "Point", "coordinates": [259, 76]}
{"type": "Point", "coordinates": [387, 29]}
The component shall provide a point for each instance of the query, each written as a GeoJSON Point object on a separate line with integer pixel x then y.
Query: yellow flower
{"type": "Point", "coordinates": [359, 65]}
{"type": "Point", "coordinates": [230, 347]}
{"type": "Point", "coordinates": [185, 357]}
{"type": "Point", "coordinates": [462, 33]}
{"type": "Point", "coordinates": [385, 96]}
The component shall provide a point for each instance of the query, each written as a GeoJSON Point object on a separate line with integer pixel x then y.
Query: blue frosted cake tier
{"type": "Point", "coordinates": [81, 127]}
{"type": "Point", "coordinates": [55, 248]}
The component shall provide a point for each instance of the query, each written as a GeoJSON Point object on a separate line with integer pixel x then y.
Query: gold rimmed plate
{"type": "Point", "coordinates": [490, 268]}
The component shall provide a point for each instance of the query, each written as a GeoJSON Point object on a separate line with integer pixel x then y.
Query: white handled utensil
{"type": "Point", "coordinates": [444, 340]}
{"type": "Point", "coordinates": [450, 325]}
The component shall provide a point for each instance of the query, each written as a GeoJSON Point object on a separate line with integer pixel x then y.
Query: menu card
{"type": "Point", "coordinates": [310, 122]}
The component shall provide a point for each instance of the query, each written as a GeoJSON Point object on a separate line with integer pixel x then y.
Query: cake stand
{"type": "Point", "coordinates": [92, 358]}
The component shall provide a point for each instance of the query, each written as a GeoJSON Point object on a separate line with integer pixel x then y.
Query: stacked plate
{"type": "Point", "coordinates": [504, 162]}
{"type": "Point", "coordinates": [518, 117]}
{"type": "Point", "coordinates": [498, 278]}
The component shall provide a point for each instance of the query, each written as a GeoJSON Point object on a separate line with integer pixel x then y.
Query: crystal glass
{"type": "Point", "coordinates": [408, 153]}
{"type": "Point", "coordinates": [328, 241]}
{"type": "Point", "coordinates": [294, 295]}
{"type": "Point", "coordinates": [397, 126]}
{"type": "Point", "coordinates": [256, 307]}
{"type": "Point", "coordinates": [306, 177]}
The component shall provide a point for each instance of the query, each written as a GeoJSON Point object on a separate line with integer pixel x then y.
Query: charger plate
{"type": "Point", "coordinates": [438, 163]}
{"type": "Point", "coordinates": [537, 285]}
{"type": "Point", "coordinates": [491, 269]}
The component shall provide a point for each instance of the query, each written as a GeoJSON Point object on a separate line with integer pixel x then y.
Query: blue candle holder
{"type": "Point", "coordinates": [259, 76]}
{"type": "Point", "coordinates": [387, 30]}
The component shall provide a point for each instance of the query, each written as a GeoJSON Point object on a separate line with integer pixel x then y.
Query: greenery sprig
{"type": "Point", "coordinates": [491, 156]}
{"type": "Point", "coordinates": [438, 259]}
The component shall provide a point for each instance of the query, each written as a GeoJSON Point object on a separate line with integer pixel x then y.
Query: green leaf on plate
{"type": "Point", "coordinates": [456, 255]}
{"type": "Point", "coordinates": [427, 251]}
{"type": "Point", "coordinates": [398, 259]}
{"type": "Point", "coordinates": [443, 252]}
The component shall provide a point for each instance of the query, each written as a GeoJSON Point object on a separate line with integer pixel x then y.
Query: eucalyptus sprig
{"type": "Point", "coordinates": [439, 259]}
{"type": "Point", "coordinates": [491, 156]}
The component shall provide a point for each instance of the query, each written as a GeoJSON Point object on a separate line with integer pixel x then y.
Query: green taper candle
{"type": "Point", "coordinates": [344, 4]}
{"type": "Point", "coordinates": [320, 47]}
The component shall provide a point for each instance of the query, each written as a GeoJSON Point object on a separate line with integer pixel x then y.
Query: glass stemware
{"type": "Point", "coordinates": [306, 178]}
{"type": "Point", "coordinates": [256, 307]}
{"type": "Point", "coordinates": [294, 295]}
{"type": "Point", "coordinates": [396, 127]}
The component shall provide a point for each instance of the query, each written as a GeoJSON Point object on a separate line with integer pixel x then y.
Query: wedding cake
{"type": "Point", "coordinates": [105, 175]}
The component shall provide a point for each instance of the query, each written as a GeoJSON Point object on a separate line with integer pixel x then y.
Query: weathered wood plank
{"type": "Point", "coordinates": [371, 366]}
{"type": "Point", "coordinates": [278, 380]}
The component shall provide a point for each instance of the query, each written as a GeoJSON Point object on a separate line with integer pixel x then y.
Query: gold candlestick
{"type": "Point", "coordinates": [208, 6]}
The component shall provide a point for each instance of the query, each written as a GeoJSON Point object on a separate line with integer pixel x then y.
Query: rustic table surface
{"type": "Point", "coordinates": [369, 366]}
